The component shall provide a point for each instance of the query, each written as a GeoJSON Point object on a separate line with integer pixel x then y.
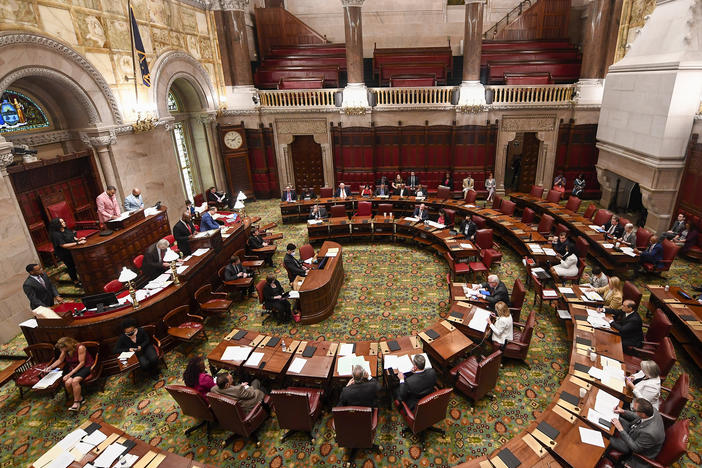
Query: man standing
{"type": "Point", "coordinates": [361, 389]}
{"type": "Point", "coordinates": [418, 385]}
{"type": "Point", "coordinates": [628, 323]}
{"type": "Point", "coordinates": [134, 201]}
{"type": "Point", "coordinates": [641, 431]}
{"type": "Point", "coordinates": [421, 212]}
{"type": "Point", "coordinates": [182, 230]}
{"type": "Point", "coordinates": [498, 291]}
{"type": "Point", "coordinates": [247, 395]}
{"type": "Point", "coordinates": [208, 222]}
{"type": "Point", "coordinates": [107, 205]}
{"type": "Point", "coordinates": [293, 265]}
{"type": "Point", "coordinates": [153, 264]}
{"type": "Point", "coordinates": [413, 180]}
{"type": "Point", "coordinates": [39, 289]}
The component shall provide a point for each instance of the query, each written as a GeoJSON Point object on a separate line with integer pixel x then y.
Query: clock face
{"type": "Point", "coordinates": [233, 140]}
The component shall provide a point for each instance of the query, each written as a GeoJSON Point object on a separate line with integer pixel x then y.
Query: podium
{"type": "Point", "coordinates": [124, 222]}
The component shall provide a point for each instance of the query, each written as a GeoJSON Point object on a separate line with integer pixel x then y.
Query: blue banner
{"type": "Point", "coordinates": [141, 53]}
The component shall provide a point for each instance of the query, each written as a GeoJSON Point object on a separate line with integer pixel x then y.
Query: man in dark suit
{"type": "Point", "coordinates": [39, 289]}
{"type": "Point", "coordinates": [153, 264]}
{"type": "Point", "coordinates": [382, 190]}
{"type": "Point", "coordinates": [640, 430]}
{"type": "Point", "coordinates": [318, 212]}
{"type": "Point", "coordinates": [343, 191]}
{"type": "Point", "coordinates": [468, 228]}
{"type": "Point", "coordinates": [613, 228]}
{"type": "Point", "coordinates": [293, 265]}
{"type": "Point", "coordinates": [401, 190]}
{"type": "Point", "coordinates": [235, 270]}
{"type": "Point", "coordinates": [413, 180]}
{"type": "Point", "coordinates": [677, 228]}
{"type": "Point", "coordinates": [417, 385]}
{"type": "Point", "coordinates": [421, 212]}
{"type": "Point", "coordinates": [628, 323]}
{"type": "Point", "coordinates": [361, 389]}
{"type": "Point", "coordinates": [182, 230]}
{"type": "Point", "coordinates": [255, 241]}
{"type": "Point", "coordinates": [498, 291]}
{"type": "Point", "coordinates": [653, 253]}
{"type": "Point", "coordinates": [219, 199]}
{"type": "Point", "coordinates": [288, 195]}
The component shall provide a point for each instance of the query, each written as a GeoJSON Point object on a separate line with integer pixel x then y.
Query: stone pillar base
{"type": "Point", "coordinates": [242, 97]}
{"type": "Point", "coordinates": [588, 91]}
{"type": "Point", "coordinates": [471, 96]}
{"type": "Point", "coordinates": [355, 98]}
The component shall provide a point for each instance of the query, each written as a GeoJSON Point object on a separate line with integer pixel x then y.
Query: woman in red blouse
{"type": "Point", "coordinates": [197, 378]}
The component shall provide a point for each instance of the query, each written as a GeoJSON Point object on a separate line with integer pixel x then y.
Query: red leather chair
{"type": "Point", "coordinates": [483, 240]}
{"type": "Point", "coordinates": [674, 447]}
{"type": "Point", "coordinates": [601, 217]}
{"type": "Point", "coordinates": [589, 211]}
{"type": "Point", "coordinates": [297, 409]}
{"type": "Point", "coordinates": [517, 299]}
{"type": "Point", "coordinates": [479, 221]}
{"type": "Point", "coordinates": [631, 292]}
{"type": "Point", "coordinates": [306, 251]}
{"type": "Point", "coordinates": [545, 225]}
{"type": "Point", "coordinates": [537, 191]}
{"type": "Point", "coordinates": [113, 286]}
{"type": "Point", "coordinates": [450, 217]}
{"type": "Point", "coordinates": [430, 410]}
{"type": "Point", "coordinates": [212, 303]}
{"type": "Point", "coordinates": [95, 376]}
{"type": "Point", "coordinates": [456, 268]}
{"type": "Point", "coordinates": [658, 329]}
{"type": "Point", "coordinates": [562, 228]}
{"type": "Point", "coordinates": [240, 285]}
{"type": "Point", "coordinates": [518, 348]}
{"type": "Point", "coordinates": [507, 207]}
{"type": "Point", "coordinates": [138, 261]}
{"type": "Point", "coordinates": [355, 428]}
{"type": "Point", "coordinates": [249, 261]}
{"type": "Point", "coordinates": [642, 237]}
{"type": "Point", "coordinates": [554, 196]}
{"type": "Point", "coordinates": [443, 192]}
{"type": "Point", "coordinates": [172, 243]}
{"type": "Point", "coordinates": [476, 378]}
{"type": "Point", "coordinates": [326, 192]}
{"type": "Point", "coordinates": [664, 356]}
{"type": "Point", "coordinates": [528, 216]}
{"type": "Point", "coordinates": [576, 279]}
{"type": "Point", "coordinates": [670, 250]}
{"type": "Point", "coordinates": [483, 266]}
{"type": "Point", "coordinates": [57, 205]}
{"type": "Point", "coordinates": [182, 325]}
{"type": "Point", "coordinates": [230, 417]}
{"type": "Point", "coordinates": [364, 208]}
{"type": "Point", "coordinates": [385, 208]}
{"type": "Point", "coordinates": [470, 196]}
{"type": "Point", "coordinates": [677, 398]}
{"type": "Point", "coordinates": [582, 247]}
{"type": "Point", "coordinates": [30, 372]}
{"type": "Point", "coordinates": [539, 291]}
{"type": "Point", "coordinates": [573, 203]}
{"type": "Point", "coordinates": [496, 202]}
{"type": "Point", "coordinates": [265, 310]}
{"type": "Point", "coordinates": [193, 405]}
{"type": "Point", "coordinates": [199, 199]}
{"type": "Point", "coordinates": [338, 211]}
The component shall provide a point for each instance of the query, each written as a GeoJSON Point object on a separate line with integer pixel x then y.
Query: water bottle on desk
{"type": "Point", "coordinates": [283, 345]}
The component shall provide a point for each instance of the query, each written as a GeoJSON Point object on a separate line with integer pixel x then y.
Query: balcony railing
{"type": "Point", "coordinates": [291, 98]}
{"type": "Point", "coordinates": [441, 95]}
{"type": "Point", "coordinates": [532, 94]}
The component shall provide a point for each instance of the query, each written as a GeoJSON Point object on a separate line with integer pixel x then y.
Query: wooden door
{"type": "Point", "coordinates": [235, 155]}
{"type": "Point", "coordinates": [307, 163]}
{"type": "Point", "coordinates": [530, 159]}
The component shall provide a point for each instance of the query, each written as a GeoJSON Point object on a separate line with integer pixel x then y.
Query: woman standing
{"type": "Point", "coordinates": [62, 238]}
{"type": "Point", "coordinates": [197, 378]}
{"type": "Point", "coordinates": [490, 186]}
{"type": "Point", "coordinates": [579, 186]}
{"type": "Point", "coordinates": [77, 363]}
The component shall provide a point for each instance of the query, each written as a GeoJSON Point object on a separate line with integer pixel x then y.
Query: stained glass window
{"type": "Point", "coordinates": [183, 152]}
{"type": "Point", "coordinates": [20, 113]}
{"type": "Point", "coordinates": [173, 103]}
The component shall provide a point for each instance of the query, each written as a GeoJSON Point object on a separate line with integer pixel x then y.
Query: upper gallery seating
{"type": "Point", "coordinates": [534, 62]}
{"type": "Point", "coordinates": [302, 67]}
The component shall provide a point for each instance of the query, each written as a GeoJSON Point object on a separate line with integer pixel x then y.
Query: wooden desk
{"type": "Point", "coordinates": [124, 223]}
{"type": "Point", "coordinates": [685, 317]}
{"type": "Point", "coordinates": [460, 315]}
{"type": "Point", "coordinates": [368, 350]}
{"type": "Point", "coordinates": [448, 346]}
{"type": "Point", "coordinates": [318, 367]}
{"type": "Point", "coordinates": [320, 289]}
{"type": "Point", "coordinates": [101, 259]}
{"type": "Point", "coordinates": [672, 296]}
{"type": "Point", "coordinates": [275, 358]}
{"type": "Point", "coordinates": [214, 358]}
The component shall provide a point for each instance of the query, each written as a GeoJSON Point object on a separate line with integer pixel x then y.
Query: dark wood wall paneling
{"type": "Point", "coordinates": [691, 183]}
{"type": "Point", "coordinates": [363, 155]}
{"type": "Point", "coordinates": [546, 19]}
{"type": "Point", "coordinates": [577, 153]}
{"type": "Point", "coordinates": [279, 27]}
{"type": "Point", "coordinates": [264, 170]}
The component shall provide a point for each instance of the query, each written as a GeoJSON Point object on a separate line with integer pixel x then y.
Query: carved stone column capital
{"type": "Point", "coordinates": [352, 3]}
{"type": "Point", "coordinates": [99, 139]}
{"type": "Point", "coordinates": [207, 117]}
{"type": "Point", "coordinates": [6, 156]}
{"type": "Point", "coordinates": [231, 5]}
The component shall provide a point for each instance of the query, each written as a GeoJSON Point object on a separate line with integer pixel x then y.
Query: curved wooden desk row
{"type": "Point", "coordinates": [319, 290]}
{"type": "Point", "coordinates": [105, 327]}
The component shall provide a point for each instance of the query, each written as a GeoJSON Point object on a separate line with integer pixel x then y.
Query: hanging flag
{"type": "Point", "coordinates": [139, 47]}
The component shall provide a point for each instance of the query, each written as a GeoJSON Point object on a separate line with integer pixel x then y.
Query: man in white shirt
{"type": "Point", "coordinates": [134, 201]}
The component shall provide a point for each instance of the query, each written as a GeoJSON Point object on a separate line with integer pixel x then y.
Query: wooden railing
{"type": "Point", "coordinates": [414, 96]}
{"type": "Point", "coordinates": [532, 94]}
{"type": "Point", "coordinates": [298, 98]}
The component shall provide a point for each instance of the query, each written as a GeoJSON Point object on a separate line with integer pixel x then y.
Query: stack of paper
{"type": "Point", "coordinates": [332, 252]}
{"type": "Point", "coordinates": [607, 246]}
{"type": "Point", "coordinates": [201, 209]}
{"type": "Point", "coordinates": [465, 245]}
{"type": "Point", "coordinates": [410, 218]}
{"type": "Point", "coordinates": [154, 284]}
{"type": "Point", "coordinates": [109, 455]}
{"type": "Point", "coordinates": [563, 314]}
{"type": "Point", "coordinates": [550, 293]}
{"type": "Point", "coordinates": [199, 235]}
{"type": "Point", "coordinates": [200, 252]}
{"type": "Point", "coordinates": [596, 228]}
{"type": "Point", "coordinates": [591, 437]}
{"type": "Point", "coordinates": [605, 404]}
{"type": "Point", "coordinates": [181, 269]}
{"type": "Point", "coordinates": [292, 294]}
{"type": "Point", "coordinates": [254, 359]}
{"type": "Point", "coordinates": [236, 353]}
{"type": "Point", "coordinates": [345, 349]}
{"type": "Point", "coordinates": [315, 221]}
{"type": "Point", "coordinates": [595, 417]}
{"type": "Point", "coordinates": [593, 296]}
{"type": "Point", "coordinates": [297, 365]}
{"type": "Point", "coordinates": [628, 251]}
{"type": "Point", "coordinates": [124, 356]}
{"type": "Point", "coordinates": [535, 248]}
{"type": "Point", "coordinates": [141, 294]}
{"type": "Point", "coordinates": [344, 365]}
{"type": "Point", "coordinates": [480, 320]}
{"type": "Point", "coordinates": [403, 363]}
{"type": "Point", "coordinates": [598, 322]}
{"type": "Point", "coordinates": [49, 379]}
{"type": "Point", "coordinates": [436, 225]}
{"type": "Point", "coordinates": [150, 211]}
{"type": "Point", "coordinates": [565, 290]}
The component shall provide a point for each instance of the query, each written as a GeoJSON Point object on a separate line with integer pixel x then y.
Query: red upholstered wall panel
{"type": "Point", "coordinates": [264, 171]}
{"type": "Point", "coordinates": [689, 198]}
{"type": "Point", "coordinates": [577, 154]}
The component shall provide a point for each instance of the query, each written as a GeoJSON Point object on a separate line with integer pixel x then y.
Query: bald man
{"type": "Point", "coordinates": [134, 201]}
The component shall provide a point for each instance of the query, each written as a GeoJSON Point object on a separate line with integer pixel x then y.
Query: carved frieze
{"type": "Point", "coordinates": [301, 127]}
{"type": "Point", "coordinates": [529, 124]}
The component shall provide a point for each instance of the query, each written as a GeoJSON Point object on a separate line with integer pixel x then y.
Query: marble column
{"type": "Point", "coordinates": [101, 142]}
{"type": "Point", "coordinates": [590, 87]}
{"type": "Point", "coordinates": [472, 92]}
{"type": "Point", "coordinates": [355, 93]}
{"type": "Point", "coordinates": [240, 94]}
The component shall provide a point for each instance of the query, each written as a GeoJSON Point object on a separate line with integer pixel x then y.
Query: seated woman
{"type": "Point", "coordinates": [76, 362]}
{"type": "Point", "coordinates": [138, 341]}
{"type": "Point", "coordinates": [366, 191]}
{"type": "Point", "coordinates": [569, 263]}
{"type": "Point", "coordinates": [442, 217]}
{"type": "Point", "coordinates": [196, 377]}
{"type": "Point", "coordinates": [503, 327]}
{"type": "Point", "coordinates": [274, 299]}
{"type": "Point", "coordinates": [613, 293]}
{"type": "Point", "coordinates": [646, 383]}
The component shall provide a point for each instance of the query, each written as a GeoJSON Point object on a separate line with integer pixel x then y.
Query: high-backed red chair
{"type": "Point", "coordinates": [677, 398]}
{"type": "Point", "coordinates": [430, 410]}
{"type": "Point", "coordinates": [456, 268]}
{"type": "Point", "coordinates": [138, 261]}
{"type": "Point", "coordinates": [554, 196]}
{"type": "Point", "coordinates": [507, 207]}
{"type": "Point", "coordinates": [450, 216]}
{"type": "Point", "coordinates": [470, 196]}
{"type": "Point", "coordinates": [496, 202]}
{"type": "Point", "coordinates": [193, 405]}
{"type": "Point", "coordinates": [57, 205]}
{"type": "Point", "coordinates": [265, 310]}
{"type": "Point", "coordinates": [297, 409]}
{"type": "Point", "coordinates": [631, 292]}
{"type": "Point", "coordinates": [199, 199]}
{"type": "Point", "coordinates": [674, 447]}
{"type": "Point", "coordinates": [517, 299]}
{"type": "Point", "coordinates": [643, 235]}
{"type": "Point", "coordinates": [582, 247]}
{"type": "Point", "coordinates": [528, 216]}
{"type": "Point", "coordinates": [355, 428]}
{"type": "Point", "coordinates": [483, 240]}
{"type": "Point", "coordinates": [230, 417]}
{"type": "Point", "coordinates": [31, 371]}
{"type": "Point", "coordinates": [664, 356]}
{"type": "Point", "coordinates": [479, 221]}
{"type": "Point", "coordinates": [95, 377]}
{"type": "Point", "coordinates": [384, 208]}
{"type": "Point", "coordinates": [483, 266]}
{"type": "Point", "coordinates": [658, 329]}
{"type": "Point", "coordinates": [443, 192]}
{"type": "Point", "coordinates": [182, 325]}
{"type": "Point", "coordinates": [476, 378]}
{"type": "Point", "coordinates": [113, 286]}
{"type": "Point", "coordinates": [573, 203]}
{"type": "Point", "coordinates": [518, 347]}
{"type": "Point", "coordinates": [670, 250]}
{"type": "Point", "coordinates": [326, 192]}
{"type": "Point", "coordinates": [562, 228]}
{"type": "Point", "coordinates": [545, 225]}
{"type": "Point", "coordinates": [575, 278]}
{"type": "Point", "coordinates": [306, 251]}
{"type": "Point", "coordinates": [364, 208]}
{"type": "Point", "coordinates": [537, 191]}
{"type": "Point", "coordinates": [249, 261]}
{"type": "Point", "coordinates": [213, 303]}
{"type": "Point", "coordinates": [338, 211]}
{"type": "Point", "coordinates": [539, 291]}
{"type": "Point", "coordinates": [601, 217]}
{"type": "Point", "coordinates": [589, 211]}
{"type": "Point", "coordinates": [239, 285]}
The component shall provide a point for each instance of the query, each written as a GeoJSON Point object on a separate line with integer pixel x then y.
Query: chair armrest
{"type": "Point", "coordinates": [667, 418]}
{"type": "Point", "coordinates": [215, 295]}
{"type": "Point", "coordinates": [519, 324]}
{"type": "Point", "coordinates": [518, 344]}
{"type": "Point", "coordinates": [665, 388]}
{"type": "Point", "coordinates": [87, 223]}
{"type": "Point", "coordinates": [644, 352]}
{"type": "Point", "coordinates": [156, 341]}
{"type": "Point", "coordinates": [653, 463]}
{"type": "Point", "coordinates": [258, 409]}
{"type": "Point", "coordinates": [650, 343]}
{"type": "Point", "coordinates": [197, 318]}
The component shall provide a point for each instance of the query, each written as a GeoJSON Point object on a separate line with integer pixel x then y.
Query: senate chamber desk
{"type": "Point", "coordinates": [319, 290]}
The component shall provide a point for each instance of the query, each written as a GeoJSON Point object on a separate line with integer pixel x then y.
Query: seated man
{"type": "Point", "coordinates": [382, 190]}
{"type": "Point", "coordinates": [247, 395]}
{"type": "Point", "coordinates": [629, 325]}
{"type": "Point", "coordinates": [401, 190]}
{"type": "Point", "coordinates": [318, 212]}
{"type": "Point", "coordinates": [640, 430]}
{"type": "Point", "coordinates": [420, 192]}
{"type": "Point", "coordinates": [288, 195]}
{"type": "Point", "coordinates": [182, 230]}
{"type": "Point", "coordinates": [153, 264]}
{"type": "Point", "coordinates": [39, 289]}
{"type": "Point", "coordinates": [498, 291]}
{"type": "Point", "coordinates": [653, 253]}
{"type": "Point", "coordinates": [293, 265]}
{"type": "Point", "coordinates": [256, 241]}
{"type": "Point", "coordinates": [343, 191]}
{"type": "Point", "coordinates": [208, 222]}
{"type": "Point", "coordinates": [468, 228]}
{"type": "Point", "coordinates": [421, 212]}
{"type": "Point", "coordinates": [235, 270]}
{"type": "Point", "coordinates": [134, 201]}
{"type": "Point", "coordinates": [220, 199]}
{"type": "Point", "coordinates": [418, 384]}
{"type": "Point", "coordinates": [561, 243]}
{"type": "Point", "coordinates": [307, 194]}
{"type": "Point", "coordinates": [613, 228]}
{"type": "Point", "coordinates": [361, 390]}
{"type": "Point", "coordinates": [677, 227]}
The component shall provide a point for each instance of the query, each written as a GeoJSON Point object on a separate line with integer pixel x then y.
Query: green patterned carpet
{"type": "Point", "coordinates": [389, 290]}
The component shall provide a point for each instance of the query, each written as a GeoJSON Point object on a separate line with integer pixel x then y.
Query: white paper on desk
{"type": "Point", "coordinates": [71, 439]}
{"type": "Point", "coordinates": [480, 320]}
{"type": "Point", "coordinates": [331, 254]}
{"type": "Point", "coordinates": [236, 353]}
{"type": "Point", "coordinates": [344, 364]}
{"type": "Point", "coordinates": [469, 206]}
{"type": "Point", "coordinates": [596, 372]}
{"type": "Point", "coordinates": [538, 270]}
{"type": "Point", "coordinates": [598, 322]}
{"type": "Point", "coordinates": [609, 362]}
{"type": "Point", "coordinates": [315, 221]}
{"type": "Point", "coordinates": [150, 211]}
{"type": "Point", "coordinates": [185, 259]}
{"type": "Point", "coordinates": [465, 245]}
{"type": "Point", "coordinates": [563, 314]}
{"type": "Point", "coordinates": [31, 323]}
{"type": "Point", "coordinates": [592, 437]}
{"type": "Point", "coordinates": [199, 235]}
{"type": "Point", "coordinates": [565, 290]}
{"type": "Point", "coordinates": [593, 296]}
{"type": "Point", "coordinates": [162, 277]}
{"type": "Point", "coordinates": [605, 404]}
{"type": "Point", "coordinates": [639, 375]}
{"type": "Point", "coordinates": [141, 294]}
{"type": "Point", "coordinates": [596, 228]}
{"type": "Point", "coordinates": [550, 293]}
{"type": "Point", "coordinates": [404, 364]}
{"type": "Point", "coordinates": [594, 416]}
{"type": "Point", "coordinates": [254, 359]}
{"type": "Point", "coordinates": [613, 372]}
{"type": "Point", "coordinates": [181, 269]}
{"type": "Point", "coordinates": [297, 365]}
{"type": "Point", "coordinates": [110, 454]}
{"type": "Point", "coordinates": [629, 252]}
{"type": "Point", "coordinates": [410, 218]}
{"type": "Point", "coordinates": [62, 461]}
{"type": "Point", "coordinates": [390, 361]}
{"type": "Point", "coordinates": [200, 252]}
{"type": "Point", "coordinates": [48, 379]}
{"type": "Point", "coordinates": [125, 355]}
{"type": "Point", "coordinates": [549, 252]}
{"type": "Point", "coordinates": [607, 245]}
{"type": "Point", "coordinates": [345, 349]}
{"type": "Point", "coordinates": [83, 448]}
{"type": "Point", "coordinates": [97, 437]}
{"type": "Point", "coordinates": [309, 261]}
{"type": "Point", "coordinates": [435, 225]}
{"type": "Point", "coordinates": [292, 294]}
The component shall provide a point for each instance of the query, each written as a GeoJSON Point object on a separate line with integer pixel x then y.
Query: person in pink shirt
{"type": "Point", "coordinates": [107, 204]}
{"type": "Point", "coordinates": [197, 378]}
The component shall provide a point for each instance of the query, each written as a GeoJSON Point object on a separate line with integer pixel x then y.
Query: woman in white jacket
{"type": "Point", "coordinates": [568, 265]}
{"type": "Point", "coordinates": [503, 328]}
{"type": "Point", "coordinates": [648, 383]}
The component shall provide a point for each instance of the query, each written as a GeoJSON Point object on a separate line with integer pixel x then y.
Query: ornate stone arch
{"type": "Point", "coordinates": [172, 65]}
{"type": "Point", "coordinates": [25, 50]}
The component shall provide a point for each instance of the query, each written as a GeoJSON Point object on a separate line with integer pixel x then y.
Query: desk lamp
{"type": "Point", "coordinates": [126, 276]}
{"type": "Point", "coordinates": [171, 257]}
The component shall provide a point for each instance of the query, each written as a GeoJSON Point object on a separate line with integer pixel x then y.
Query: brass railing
{"type": "Point", "coordinates": [414, 96]}
{"type": "Point", "coordinates": [297, 97]}
{"type": "Point", "coordinates": [532, 94]}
